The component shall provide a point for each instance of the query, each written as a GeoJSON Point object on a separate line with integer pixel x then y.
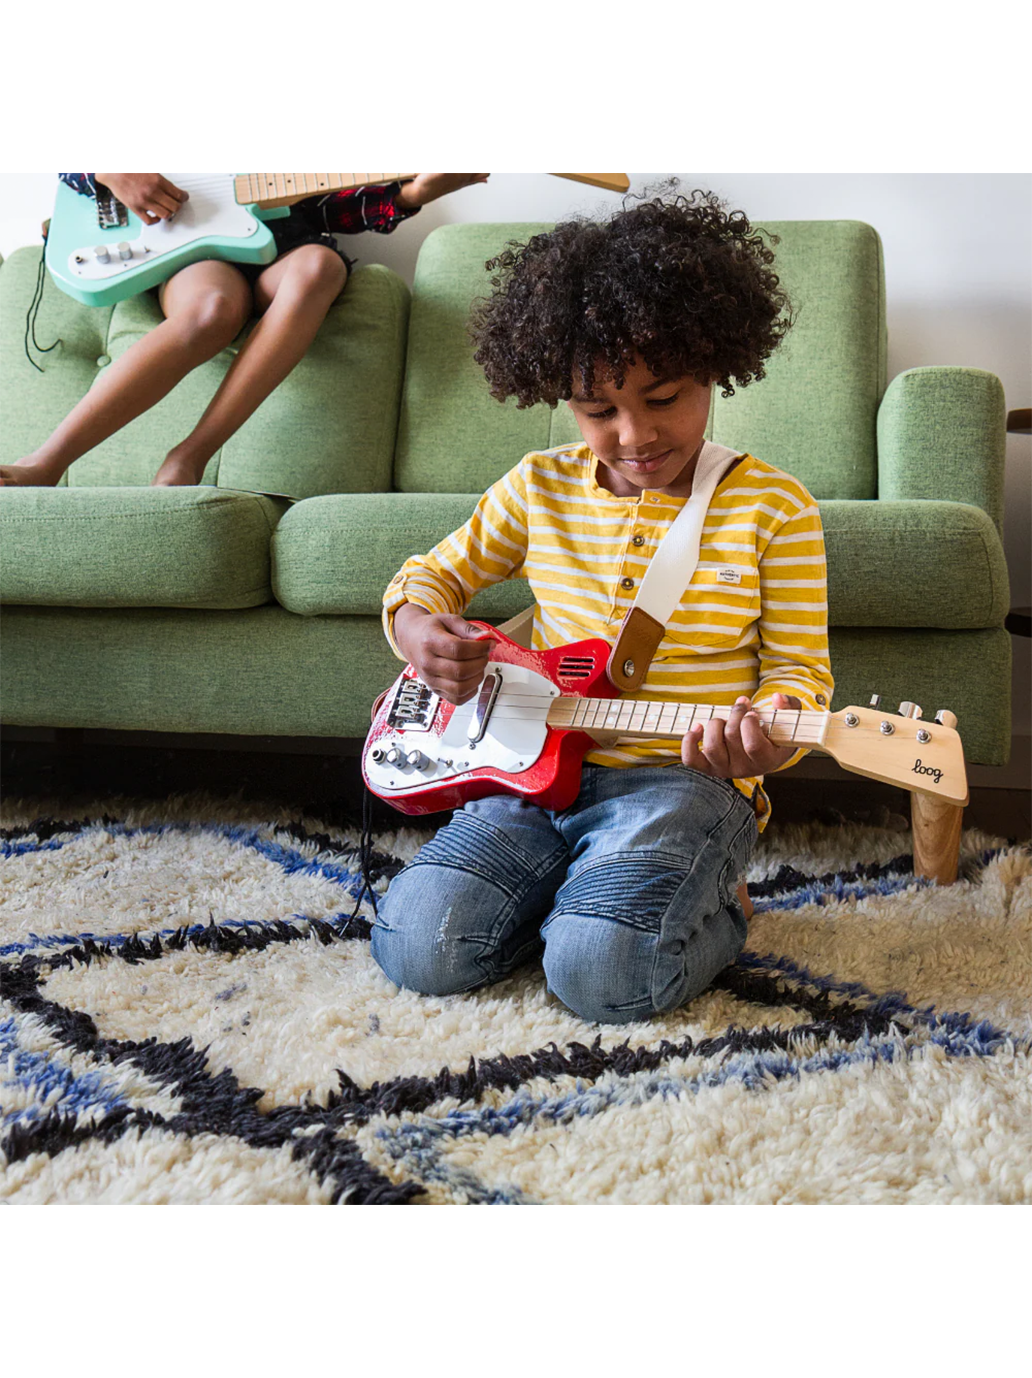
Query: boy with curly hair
{"type": "Point", "coordinates": [632, 889]}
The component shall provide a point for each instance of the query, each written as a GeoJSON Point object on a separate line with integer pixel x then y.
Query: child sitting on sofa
{"type": "Point", "coordinates": [632, 889]}
{"type": "Point", "coordinates": [207, 304]}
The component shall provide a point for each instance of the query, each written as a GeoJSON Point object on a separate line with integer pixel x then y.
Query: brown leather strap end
{"type": "Point", "coordinates": [632, 655]}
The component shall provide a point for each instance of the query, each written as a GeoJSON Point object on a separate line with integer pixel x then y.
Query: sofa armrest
{"type": "Point", "coordinates": [941, 434]}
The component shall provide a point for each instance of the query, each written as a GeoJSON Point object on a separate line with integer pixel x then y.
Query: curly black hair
{"type": "Point", "coordinates": [677, 281]}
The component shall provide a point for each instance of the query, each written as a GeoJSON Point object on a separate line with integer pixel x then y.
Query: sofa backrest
{"type": "Point", "coordinates": [814, 414]}
{"type": "Point", "coordinates": [328, 428]}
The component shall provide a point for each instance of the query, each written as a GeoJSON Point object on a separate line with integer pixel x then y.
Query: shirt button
{"type": "Point", "coordinates": [638, 540]}
{"type": "Point", "coordinates": [627, 583]}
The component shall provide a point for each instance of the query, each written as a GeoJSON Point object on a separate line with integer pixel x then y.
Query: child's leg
{"type": "Point", "coordinates": [293, 295]}
{"type": "Point", "coordinates": [205, 307]}
{"type": "Point", "coordinates": [468, 909]}
{"type": "Point", "coordinates": [648, 914]}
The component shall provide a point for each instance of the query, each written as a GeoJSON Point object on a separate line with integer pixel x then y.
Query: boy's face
{"type": "Point", "coordinates": [645, 434]}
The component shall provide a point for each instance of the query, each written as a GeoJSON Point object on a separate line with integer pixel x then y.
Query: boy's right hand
{"type": "Point", "coordinates": [448, 653]}
{"type": "Point", "coordinates": [147, 194]}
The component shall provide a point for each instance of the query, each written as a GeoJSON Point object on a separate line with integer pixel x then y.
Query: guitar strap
{"type": "Point", "coordinates": [668, 575]}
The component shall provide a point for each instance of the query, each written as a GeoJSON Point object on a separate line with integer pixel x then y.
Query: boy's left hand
{"type": "Point", "coordinates": [739, 747]}
{"type": "Point", "coordinates": [428, 186]}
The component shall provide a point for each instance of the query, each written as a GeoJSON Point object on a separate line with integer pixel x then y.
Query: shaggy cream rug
{"type": "Point", "coordinates": [191, 1014]}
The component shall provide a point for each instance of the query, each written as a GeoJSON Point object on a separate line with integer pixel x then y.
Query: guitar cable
{"type": "Point", "coordinates": [33, 311]}
{"type": "Point", "coordinates": [365, 855]}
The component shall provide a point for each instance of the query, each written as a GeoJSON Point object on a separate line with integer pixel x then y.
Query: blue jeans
{"type": "Point", "coordinates": [632, 890]}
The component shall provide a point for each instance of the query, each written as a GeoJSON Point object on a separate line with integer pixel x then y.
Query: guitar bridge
{"type": "Point", "coordinates": [414, 706]}
{"type": "Point", "coordinates": [111, 214]}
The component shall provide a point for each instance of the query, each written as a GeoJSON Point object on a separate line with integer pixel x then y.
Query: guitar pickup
{"type": "Point", "coordinates": [482, 711]}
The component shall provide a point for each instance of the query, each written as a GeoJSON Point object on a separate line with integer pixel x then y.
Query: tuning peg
{"type": "Point", "coordinates": [909, 710]}
{"type": "Point", "coordinates": [875, 701]}
{"type": "Point", "coordinates": [946, 718]}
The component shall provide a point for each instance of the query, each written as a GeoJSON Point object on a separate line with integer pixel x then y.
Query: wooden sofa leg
{"type": "Point", "coordinates": [936, 828]}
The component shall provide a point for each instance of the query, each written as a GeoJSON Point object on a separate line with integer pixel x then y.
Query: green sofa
{"type": "Point", "coordinates": [214, 610]}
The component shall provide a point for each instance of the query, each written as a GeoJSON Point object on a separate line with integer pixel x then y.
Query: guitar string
{"type": "Point", "coordinates": [815, 716]}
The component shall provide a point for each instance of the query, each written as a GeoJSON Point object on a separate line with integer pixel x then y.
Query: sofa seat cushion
{"type": "Point", "coordinates": [890, 564]}
{"type": "Point", "coordinates": [136, 547]}
{"type": "Point", "coordinates": [337, 554]}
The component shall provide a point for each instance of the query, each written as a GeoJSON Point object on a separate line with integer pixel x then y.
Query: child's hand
{"type": "Point", "coordinates": [738, 748]}
{"type": "Point", "coordinates": [147, 194]}
{"type": "Point", "coordinates": [449, 653]}
{"type": "Point", "coordinates": [428, 186]}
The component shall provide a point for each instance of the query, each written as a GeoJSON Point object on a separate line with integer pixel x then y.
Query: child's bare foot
{"type": "Point", "coordinates": [29, 473]}
{"type": "Point", "coordinates": [179, 471]}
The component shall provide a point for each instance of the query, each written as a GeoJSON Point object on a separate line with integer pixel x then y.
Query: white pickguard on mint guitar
{"type": "Point", "coordinates": [100, 253]}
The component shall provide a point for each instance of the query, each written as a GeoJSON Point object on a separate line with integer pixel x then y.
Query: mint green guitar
{"type": "Point", "coordinates": [101, 254]}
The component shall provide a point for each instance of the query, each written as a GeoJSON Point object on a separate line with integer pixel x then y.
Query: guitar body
{"type": "Point", "coordinates": [223, 219]}
{"type": "Point", "coordinates": [210, 225]}
{"type": "Point", "coordinates": [537, 713]}
{"type": "Point", "coordinates": [421, 756]}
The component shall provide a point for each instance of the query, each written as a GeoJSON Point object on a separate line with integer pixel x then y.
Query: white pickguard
{"type": "Point", "coordinates": [512, 741]}
{"type": "Point", "coordinates": [211, 211]}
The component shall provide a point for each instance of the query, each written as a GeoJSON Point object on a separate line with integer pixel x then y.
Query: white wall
{"type": "Point", "coordinates": [958, 271]}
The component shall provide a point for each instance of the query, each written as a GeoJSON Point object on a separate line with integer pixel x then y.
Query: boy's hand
{"type": "Point", "coordinates": [739, 747]}
{"type": "Point", "coordinates": [428, 186]}
{"type": "Point", "coordinates": [147, 194]}
{"type": "Point", "coordinates": [449, 653]}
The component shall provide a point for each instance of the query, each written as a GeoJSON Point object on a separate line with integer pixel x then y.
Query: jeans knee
{"type": "Point", "coordinates": [599, 969]}
{"type": "Point", "coordinates": [422, 957]}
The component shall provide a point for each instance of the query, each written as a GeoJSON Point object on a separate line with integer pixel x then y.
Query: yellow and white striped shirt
{"type": "Point", "coordinates": [753, 619]}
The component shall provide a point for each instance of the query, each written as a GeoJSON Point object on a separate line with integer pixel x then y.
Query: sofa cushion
{"type": "Point", "coordinates": [32, 403]}
{"type": "Point", "coordinates": [338, 554]}
{"type": "Point", "coordinates": [328, 428]}
{"type": "Point", "coordinates": [135, 547]}
{"type": "Point", "coordinates": [814, 414]}
{"type": "Point", "coordinates": [890, 564]}
{"type": "Point", "coordinates": [914, 564]}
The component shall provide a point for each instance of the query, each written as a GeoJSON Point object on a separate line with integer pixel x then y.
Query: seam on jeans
{"type": "Point", "coordinates": [498, 838]}
{"type": "Point", "coordinates": [723, 893]}
{"type": "Point", "coordinates": [533, 872]}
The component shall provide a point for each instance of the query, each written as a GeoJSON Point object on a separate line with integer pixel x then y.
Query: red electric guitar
{"type": "Point", "coordinates": [538, 713]}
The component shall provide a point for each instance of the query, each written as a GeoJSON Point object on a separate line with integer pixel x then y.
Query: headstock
{"type": "Point", "coordinates": [900, 749]}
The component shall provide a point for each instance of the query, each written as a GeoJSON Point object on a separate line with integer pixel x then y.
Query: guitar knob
{"type": "Point", "coordinates": [909, 710]}
{"type": "Point", "coordinates": [876, 700]}
{"type": "Point", "coordinates": [946, 718]}
{"type": "Point", "coordinates": [125, 251]}
{"type": "Point", "coordinates": [417, 760]}
{"type": "Point", "coordinates": [394, 756]}
{"type": "Point", "coordinates": [100, 253]}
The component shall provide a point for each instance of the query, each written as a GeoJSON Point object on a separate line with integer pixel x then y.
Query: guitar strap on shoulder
{"type": "Point", "coordinates": [668, 575]}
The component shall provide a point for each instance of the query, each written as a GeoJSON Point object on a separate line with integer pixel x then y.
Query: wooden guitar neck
{"type": "Point", "coordinates": [269, 190]}
{"type": "Point", "coordinates": [645, 718]}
